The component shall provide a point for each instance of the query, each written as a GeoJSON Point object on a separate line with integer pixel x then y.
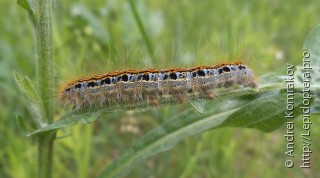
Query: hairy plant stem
{"type": "Point", "coordinates": [42, 24]}
{"type": "Point", "coordinates": [44, 54]}
{"type": "Point", "coordinates": [45, 154]}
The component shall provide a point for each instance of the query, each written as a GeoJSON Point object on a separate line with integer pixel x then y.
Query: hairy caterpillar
{"type": "Point", "coordinates": [152, 85]}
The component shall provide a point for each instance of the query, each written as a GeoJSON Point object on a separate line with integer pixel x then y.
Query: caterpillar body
{"type": "Point", "coordinates": [152, 85]}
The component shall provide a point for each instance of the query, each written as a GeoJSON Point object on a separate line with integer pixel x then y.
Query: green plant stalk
{"type": "Point", "coordinates": [44, 54]}
{"type": "Point", "coordinates": [45, 154]}
{"type": "Point", "coordinates": [42, 24]}
{"type": "Point", "coordinates": [142, 28]}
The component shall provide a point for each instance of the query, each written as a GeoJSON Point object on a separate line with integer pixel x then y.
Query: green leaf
{"type": "Point", "coordinates": [70, 119]}
{"type": "Point", "coordinates": [26, 5]}
{"type": "Point", "coordinates": [263, 111]}
{"type": "Point", "coordinates": [311, 44]}
{"type": "Point", "coordinates": [270, 78]}
{"type": "Point", "coordinates": [33, 100]}
{"type": "Point", "coordinates": [22, 125]}
{"type": "Point", "coordinates": [315, 108]}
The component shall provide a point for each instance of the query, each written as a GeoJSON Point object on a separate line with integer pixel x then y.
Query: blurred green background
{"type": "Point", "coordinates": [96, 36]}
